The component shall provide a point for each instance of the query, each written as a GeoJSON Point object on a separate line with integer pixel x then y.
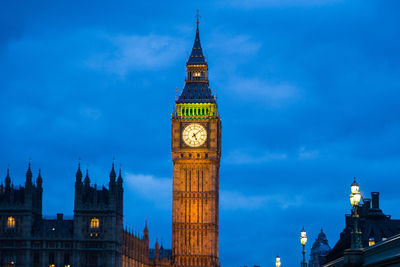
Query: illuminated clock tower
{"type": "Point", "coordinates": [196, 153]}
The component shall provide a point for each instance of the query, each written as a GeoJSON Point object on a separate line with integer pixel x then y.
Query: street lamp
{"type": "Point", "coordinates": [355, 199]}
{"type": "Point", "coordinates": [278, 261]}
{"type": "Point", "coordinates": [303, 241]}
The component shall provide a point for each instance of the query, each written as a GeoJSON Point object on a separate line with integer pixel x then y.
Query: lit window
{"type": "Point", "coordinates": [197, 74]}
{"type": "Point", "coordinates": [11, 222]}
{"type": "Point", "coordinates": [94, 223]}
{"type": "Point", "coordinates": [371, 241]}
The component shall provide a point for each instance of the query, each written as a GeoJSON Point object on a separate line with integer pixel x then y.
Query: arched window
{"type": "Point", "coordinates": [10, 222]}
{"type": "Point", "coordinates": [94, 223]}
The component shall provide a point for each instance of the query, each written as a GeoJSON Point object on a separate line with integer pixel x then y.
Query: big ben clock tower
{"type": "Point", "coordinates": [196, 153]}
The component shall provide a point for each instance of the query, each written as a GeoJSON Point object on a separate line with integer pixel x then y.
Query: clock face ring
{"type": "Point", "coordinates": [194, 135]}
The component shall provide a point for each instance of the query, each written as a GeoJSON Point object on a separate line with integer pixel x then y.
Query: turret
{"type": "Point", "coordinates": [113, 175]}
{"type": "Point", "coordinates": [39, 193]}
{"type": "Point", "coordinates": [8, 179]}
{"type": "Point", "coordinates": [120, 193]}
{"type": "Point", "coordinates": [157, 251]}
{"type": "Point", "coordinates": [146, 235]}
{"type": "Point", "coordinates": [28, 181]}
{"type": "Point", "coordinates": [78, 174]}
{"type": "Point", "coordinates": [87, 180]}
{"type": "Point", "coordinates": [39, 180]}
{"type": "Point", "coordinates": [146, 231]}
{"type": "Point", "coordinates": [119, 180]}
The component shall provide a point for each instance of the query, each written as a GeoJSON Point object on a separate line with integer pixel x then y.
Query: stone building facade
{"type": "Point", "coordinates": [95, 235]}
{"type": "Point", "coordinates": [196, 154]}
{"type": "Point", "coordinates": [320, 249]}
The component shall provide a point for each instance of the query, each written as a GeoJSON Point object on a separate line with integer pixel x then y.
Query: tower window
{"type": "Point", "coordinates": [197, 74]}
{"type": "Point", "coordinates": [10, 222]}
{"type": "Point", "coordinates": [94, 223]}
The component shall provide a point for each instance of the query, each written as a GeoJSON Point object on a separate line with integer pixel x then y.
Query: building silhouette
{"type": "Point", "coordinates": [374, 224]}
{"type": "Point", "coordinates": [380, 239]}
{"type": "Point", "coordinates": [320, 249]}
{"type": "Point", "coordinates": [95, 236]}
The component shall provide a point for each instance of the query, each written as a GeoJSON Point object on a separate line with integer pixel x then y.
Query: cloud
{"type": "Point", "coordinates": [90, 113]}
{"type": "Point", "coordinates": [241, 44]}
{"type": "Point", "coordinates": [154, 189]}
{"type": "Point", "coordinates": [307, 153]}
{"type": "Point", "coordinates": [250, 4]}
{"type": "Point", "coordinates": [138, 52]}
{"type": "Point", "coordinates": [242, 157]}
{"type": "Point", "coordinates": [256, 89]}
{"type": "Point", "coordinates": [233, 200]}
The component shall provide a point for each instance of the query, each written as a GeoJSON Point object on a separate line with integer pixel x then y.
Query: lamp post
{"type": "Point", "coordinates": [303, 241]}
{"type": "Point", "coordinates": [355, 199]}
{"type": "Point", "coordinates": [278, 261]}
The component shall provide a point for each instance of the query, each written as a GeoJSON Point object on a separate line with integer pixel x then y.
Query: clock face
{"type": "Point", "coordinates": [194, 135]}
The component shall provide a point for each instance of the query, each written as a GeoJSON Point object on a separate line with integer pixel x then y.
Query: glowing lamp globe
{"type": "Point", "coordinates": [355, 187]}
{"type": "Point", "coordinates": [357, 198]}
{"type": "Point", "coordinates": [303, 237]}
{"type": "Point", "coordinates": [352, 199]}
{"type": "Point", "coordinates": [278, 261]}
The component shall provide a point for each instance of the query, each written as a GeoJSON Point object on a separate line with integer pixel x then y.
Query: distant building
{"type": "Point", "coordinates": [375, 227]}
{"type": "Point", "coordinates": [382, 254]}
{"type": "Point", "coordinates": [93, 237]}
{"type": "Point", "coordinates": [319, 251]}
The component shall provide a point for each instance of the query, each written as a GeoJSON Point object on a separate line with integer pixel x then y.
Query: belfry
{"type": "Point", "coordinates": [196, 153]}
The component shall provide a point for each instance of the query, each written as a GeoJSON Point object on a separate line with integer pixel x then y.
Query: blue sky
{"type": "Point", "coordinates": [308, 93]}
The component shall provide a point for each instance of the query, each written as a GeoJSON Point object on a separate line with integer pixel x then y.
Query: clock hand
{"type": "Point", "coordinates": [199, 131]}
{"type": "Point", "coordinates": [194, 135]}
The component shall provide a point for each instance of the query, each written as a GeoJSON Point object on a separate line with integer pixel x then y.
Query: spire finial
{"type": "Point", "coordinates": [119, 179]}
{"type": "Point", "coordinates": [197, 18]}
{"type": "Point", "coordinates": [39, 179]}
{"type": "Point", "coordinates": [87, 180]}
{"type": "Point", "coordinates": [8, 178]}
{"type": "Point", "coordinates": [78, 174]}
{"type": "Point", "coordinates": [112, 173]}
{"type": "Point", "coordinates": [29, 172]}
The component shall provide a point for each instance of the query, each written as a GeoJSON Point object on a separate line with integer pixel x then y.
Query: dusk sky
{"type": "Point", "coordinates": [308, 92]}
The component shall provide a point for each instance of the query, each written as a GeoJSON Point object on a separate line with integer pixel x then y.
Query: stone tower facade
{"type": "Point", "coordinates": [98, 221]}
{"type": "Point", "coordinates": [196, 153]}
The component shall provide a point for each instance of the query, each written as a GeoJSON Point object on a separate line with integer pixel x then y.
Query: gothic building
{"type": "Point", "coordinates": [196, 153]}
{"type": "Point", "coordinates": [320, 249]}
{"type": "Point", "coordinates": [95, 235]}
